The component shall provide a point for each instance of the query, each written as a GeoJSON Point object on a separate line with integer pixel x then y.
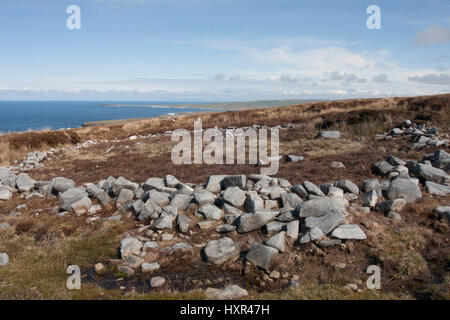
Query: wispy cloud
{"type": "Point", "coordinates": [438, 79]}
{"type": "Point", "coordinates": [432, 35]}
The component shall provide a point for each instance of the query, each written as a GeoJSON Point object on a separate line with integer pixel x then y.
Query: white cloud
{"type": "Point", "coordinates": [439, 79]}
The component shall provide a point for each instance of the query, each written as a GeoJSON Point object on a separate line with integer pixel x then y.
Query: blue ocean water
{"type": "Point", "coordinates": [36, 115]}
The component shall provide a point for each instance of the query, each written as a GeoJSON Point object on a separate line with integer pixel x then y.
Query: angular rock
{"type": "Point", "coordinates": [181, 201]}
{"type": "Point", "coordinates": [300, 191]}
{"type": "Point", "coordinates": [444, 211]}
{"type": "Point", "coordinates": [211, 212]}
{"type": "Point", "coordinates": [290, 200]}
{"type": "Point", "coordinates": [294, 158]}
{"type": "Point", "coordinates": [327, 222]}
{"type": "Point", "coordinates": [233, 181]}
{"type": "Point", "coordinates": [371, 184]}
{"type": "Point", "coordinates": [219, 251]}
{"type": "Point", "coordinates": [24, 182]}
{"type": "Point", "coordinates": [213, 183]}
{"type": "Point", "coordinates": [382, 168]}
{"type": "Point", "coordinates": [81, 206]}
{"type": "Point", "coordinates": [225, 228]}
{"type": "Point", "coordinates": [432, 174]}
{"type": "Point", "coordinates": [349, 232]}
{"type": "Point", "coordinates": [395, 205]}
{"type": "Point", "coordinates": [204, 197]}
{"type": "Point", "coordinates": [162, 199]}
{"type": "Point", "coordinates": [163, 222]}
{"type": "Point", "coordinates": [252, 221]}
{"type": "Point", "coordinates": [149, 267]}
{"type": "Point", "coordinates": [432, 188]}
{"type": "Point", "coordinates": [404, 189]}
{"type": "Point", "coordinates": [98, 193]}
{"type": "Point", "coordinates": [129, 246]}
{"type": "Point", "coordinates": [370, 199]}
{"type": "Point", "coordinates": [253, 203]}
{"type": "Point", "coordinates": [261, 255]}
{"type": "Point", "coordinates": [124, 197]}
{"type": "Point", "coordinates": [274, 226]}
{"type": "Point", "coordinates": [313, 234]}
{"type": "Point", "coordinates": [311, 188]}
{"type": "Point", "coordinates": [347, 186]}
{"type": "Point", "coordinates": [171, 181]}
{"type": "Point", "coordinates": [5, 195]}
{"type": "Point", "coordinates": [154, 184]}
{"type": "Point", "coordinates": [234, 196]}
{"type": "Point", "coordinates": [278, 241]}
{"type": "Point", "coordinates": [316, 207]}
{"type": "Point", "coordinates": [292, 229]}
{"type": "Point", "coordinates": [183, 223]}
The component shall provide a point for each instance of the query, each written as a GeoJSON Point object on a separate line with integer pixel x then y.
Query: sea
{"type": "Point", "coordinates": [19, 116]}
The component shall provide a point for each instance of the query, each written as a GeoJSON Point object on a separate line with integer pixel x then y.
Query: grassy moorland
{"type": "Point", "coordinates": [414, 252]}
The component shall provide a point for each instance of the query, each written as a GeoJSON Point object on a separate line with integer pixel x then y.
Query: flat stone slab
{"type": "Point", "coordinates": [261, 255]}
{"type": "Point", "coordinates": [349, 232]}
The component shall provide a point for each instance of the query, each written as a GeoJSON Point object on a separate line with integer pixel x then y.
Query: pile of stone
{"type": "Point", "coordinates": [418, 133]}
{"type": "Point", "coordinates": [33, 161]}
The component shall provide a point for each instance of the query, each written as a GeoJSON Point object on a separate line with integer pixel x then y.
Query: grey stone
{"type": "Point", "coordinates": [204, 197]}
{"type": "Point", "coordinates": [261, 255]}
{"type": "Point", "coordinates": [233, 181]}
{"type": "Point", "coordinates": [292, 229]}
{"type": "Point", "coordinates": [395, 161]}
{"type": "Point", "coordinates": [61, 184]}
{"type": "Point", "coordinates": [278, 241]}
{"type": "Point", "coordinates": [171, 181]}
{"type": "Point", "coordinates": [225, 228]}
{"type": "Point", "coordinates": [328, 243]}
{"type": "Point", "coordinates": [228, 293]}
{"type": "Point", "coordinates": [294, 158]}
{"type": "Point", "coordinates": [157, 282]}
{"type": "Point", "coordinates": [327, 222]}
{"type": "Point", "coordinates": [234, 196]}
{"type": "Point", "coordinates": [4, 259]}
{"type": "Point", "coordinates": [286, 214]}
{"type": "Point", "coordinates": [162, 199]}
{"type": "Point", "coordinates": [150, 245]}
{"type": "Point", "coordinates": [252, 221]}
{"type": "Point", "coordinates": [129, 246]}
{"type": "Point", "coordinates": [182, 246]}
{"type": "Point", "coordinates": [229, 209]}
{"type": "Point", "coordinates": [404, 189]}
{"type": "Point", "coordinates": [154, 184]}
{"type": "Point", "coordinates": [98, 193]}
{"type": "Point", "coordinates": [4, 172]}
{"type": "Point", "coordinates": [329, 134]}
{"type": "Point", "coordinates": [183, 188]}
{"type": "Point", "coordinates": [124, 197]}
{"type": "Point", "coordinates": [126, 270]}
{"type": "Point", "coordinates": [394, 215]}
{"type": "Point", "coordinates": [370, 199]}
{"type": "Point", "coordinates": [5, 195]}
{"type": "Point", "coordinates": [219, 251]}
{"type": "Point", "coordinates": [211, 212]}
{"type": "Point", "coordinates": [4, 226]}
{"type": "Point", "coordinates": [183, 223]}
{"type": "Point", "coordinates": [382, 168]}
{"type": "Point", "coordinates": [274, 226]}
{"type": "Point", "coordinates": [347, 186]}
{"type": "Point", "coordinates": [316, 207]}
{"type": "Point", "coordinates": [149, 267]}
{"type": "Point", "coordinates": [444, 211]}
{"type": "Point", "coordinates": [371, 184]}
{"type": "Point", "coordinates": [163, 222]}
{"type": "Point", "coordinates": [231, 217]}
{"type": "Point", "coordinates": [337, 165]}
{"type": "Point", "coordinates": [121, 183]}
{"type": "Point", "coordinates": [311, 188]}
{"type": "Point", "coordinates": [213, 183]}
{"type": "Point", "coordinates": [81, 206]}
{"type": "Point", "coordinates": [432, 188]}
{"type": "Point", "coordinates": [395, 205]}
{"type": "Point", "coordinates": [290, 200]}
{"type": "Point", "coordinates": [181, 201]}
{"type": "Point", "coordinates": [300, 190]}
{"type": "Point", "coordinates": [348, 232]}
{"type": "Point", "coordinates": [24, 182]}
{"type": "Point", "coordinates": [253, 203]}
{"type": "Point", "coordinates": [313, 234]}
{"type": "Point", "coordinates": [273, 192]}
{"type": "Point", "coordinates": [433, 174]}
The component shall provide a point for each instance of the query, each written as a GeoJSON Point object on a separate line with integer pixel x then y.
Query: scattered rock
{"type": "Point", "coordinates": [219, 251]}
{"type": "Point", "coordinates": [228, 293]}
{"type": "Point", "coordinates": [261, 255]}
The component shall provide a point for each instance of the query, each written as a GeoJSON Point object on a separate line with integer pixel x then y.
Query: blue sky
{"type": "Point", "coordinates": [219, 50]}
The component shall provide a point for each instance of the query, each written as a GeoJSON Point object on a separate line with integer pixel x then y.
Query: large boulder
{"type": "Point", "coordinates": [219, 251]}
{"type": "Point", "coordinates": [300, 190]}
{"type": "Point", "coordinates": [261, 255]}
{"type": "Point", "coordinates": [181, 201]}
{"type": "Point", "coordinates": [124, 197]}
{"type": "Point", "coordinates": [162, 199]}
{"type": "Point", "coordinates": [148, 210]}
{"type": "Point", "coordinates": [349, 232]}
{"type": "Point", "coordinates": [70, 196]}
{"type": "Point", "coordinates": [234, 196]}
{"type": "Point", "coordinates": [316, 207]}
{"type": "Point", "coordinates": [98, 193]}
{"type": "Point", "coordinates": [371, 184]}
{"type": "Point", "coordinates": [382, 168]}
{"type": "Point", "coordinates": [290, 200]}
{"type": "Point", "coordinates": [163, 222]}
{"type": "Point", "coordinates": [121, 183]}
{"type": "Point", "coordinates": [4, 172]}
{"type": "Point", "coordinates": [249, 222]}
{"type": "Point", "coordinates": [404, 189]}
